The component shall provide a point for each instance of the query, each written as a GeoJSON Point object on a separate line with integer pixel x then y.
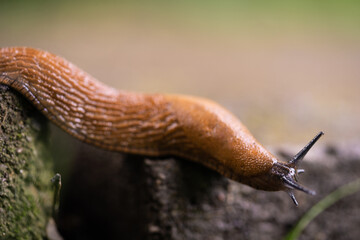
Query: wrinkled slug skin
{"type": "Point", "coordinates": [148, 124]}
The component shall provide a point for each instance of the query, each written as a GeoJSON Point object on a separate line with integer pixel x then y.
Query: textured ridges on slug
{"type": "Point", "coordinates": [148, 124]}
{"type": "Point", "coordinates": [89, 110]}
{"type": "Point", "coordinates": [94, 113]}
{"type": "Point", "coordinates": [193, 128]}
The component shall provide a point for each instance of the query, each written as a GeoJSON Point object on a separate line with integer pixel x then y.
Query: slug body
{"type": "Point", "coordinates": [148, 124]}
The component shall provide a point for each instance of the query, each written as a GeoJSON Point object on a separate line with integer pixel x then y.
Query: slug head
{"type": "Point", "coordinates": [287, 173]}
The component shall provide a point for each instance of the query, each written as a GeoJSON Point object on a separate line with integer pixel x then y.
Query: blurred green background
{"type": "Point", "coordinates": [287, 69]}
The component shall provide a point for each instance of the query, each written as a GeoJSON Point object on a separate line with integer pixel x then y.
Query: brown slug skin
{"type": "Point", "coordinates": [148, 124]}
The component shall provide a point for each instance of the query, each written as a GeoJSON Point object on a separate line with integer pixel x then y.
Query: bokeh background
{"type": "Point", "coordinates": [287, 69]}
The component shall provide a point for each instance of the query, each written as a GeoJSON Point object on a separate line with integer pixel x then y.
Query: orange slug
{"type": "Point", "coordinates": [148, 124]}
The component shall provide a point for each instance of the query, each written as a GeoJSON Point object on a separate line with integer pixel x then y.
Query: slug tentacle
{"type": "Point", "coordinates": [288, 172]}
{"type": "Point", "coordinates": [300, 155]}
{"type": "Point", "coordinates": [148, 124]}
{"type": "Point", "coordinates": [292, 196]}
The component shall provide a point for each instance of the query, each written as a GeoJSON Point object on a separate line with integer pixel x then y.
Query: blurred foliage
{"type": "Point", "coordinates": [334, 14]}
{"type": "Point", "coordinates": [321, 206]}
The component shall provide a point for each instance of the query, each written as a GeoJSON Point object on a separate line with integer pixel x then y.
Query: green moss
{"type": "Point", "coordinates": [25, 169]}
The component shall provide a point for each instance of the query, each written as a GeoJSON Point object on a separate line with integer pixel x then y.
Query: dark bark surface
{"type": "Point", "coordinates": [117, 196]}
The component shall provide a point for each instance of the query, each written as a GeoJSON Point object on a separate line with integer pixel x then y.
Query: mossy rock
{"type": "Point", "coordinates": [25, 169]}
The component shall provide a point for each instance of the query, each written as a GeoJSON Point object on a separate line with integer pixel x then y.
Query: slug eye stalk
{"type": "Point", "coordinates": [300, 155]}
{"type": "Point", "coordinates": [290, 177]}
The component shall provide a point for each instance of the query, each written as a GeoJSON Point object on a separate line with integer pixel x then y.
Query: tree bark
{"type": "Point", "coordinates": [117, 196]}
{"type": "Point", "coordinates": [25, 169]}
